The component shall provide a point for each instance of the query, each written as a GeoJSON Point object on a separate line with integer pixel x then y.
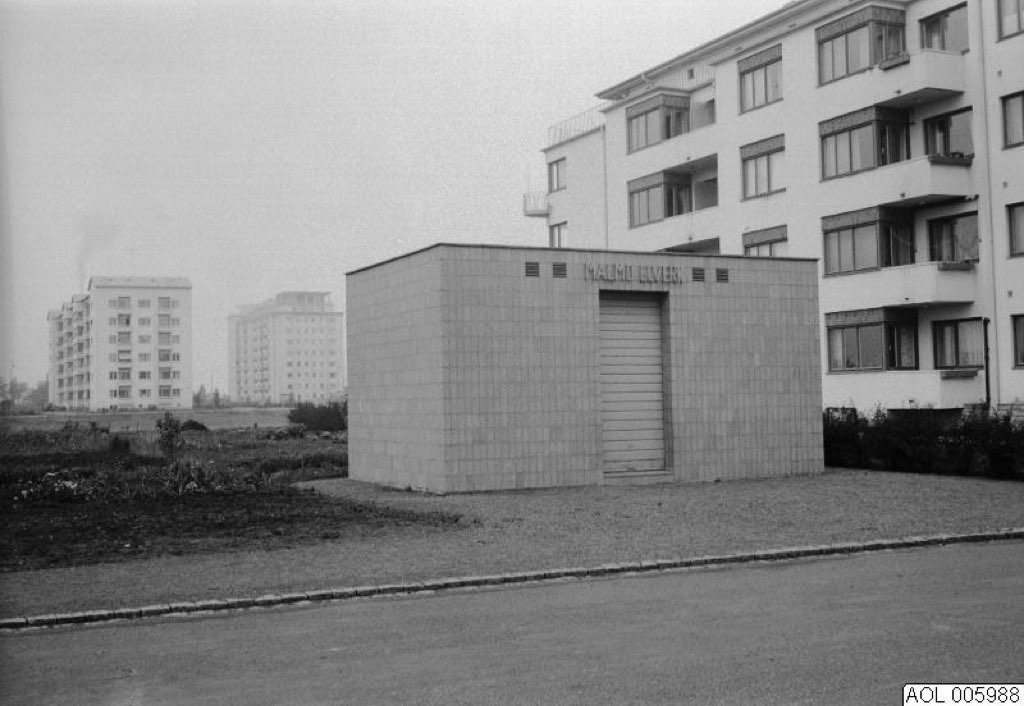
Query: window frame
{"type": "Point", "coordinates": [942, 17]}
{"type": "Point", "coordinates": [935, 249]}
{"type": "Point", "coordinates": [556, 234]}
{"type": "Point", "coordinates": [1015, 222]}
{"type": "Point", "coordinates": [954, 325]}
{"type": "Point", "coordinates": [1017, 334]}
{"type": "Point", "coordinates": [556, 175]}
{"type": "Point", "coordinates": [856, 329]}
{"type": "Point", "coordinates": [752, 73]}
{"type": "Point", "coordinates": [928, 125]}
{"type": "Point", "coordinates": [1005, 100]}
{"type": "Point", "coordinates": [1001, 15]}
{"type": "Point", "coordinates": [769, 159]}
{"type": "Point", "coordinates": [880, 149]}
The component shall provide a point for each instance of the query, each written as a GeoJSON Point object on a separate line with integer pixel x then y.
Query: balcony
{"type": "Point", "coordinates": [925, 76]}
{"type": "Point", "coordinates": [535, 204]}
{"type": "Point", "coordinates": [904, 389]}
{"type": "Point", "coordinates": [904, 82]}
{"type": "Point", "coordinates": [912, 183]}
{"type": "Point", "coordinates": [580, 124]}
{"type": "Point", "coordinates": [920, 284]}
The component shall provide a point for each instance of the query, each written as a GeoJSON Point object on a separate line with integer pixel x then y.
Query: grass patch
{"type": "Point", "coordinates": [81, 496]}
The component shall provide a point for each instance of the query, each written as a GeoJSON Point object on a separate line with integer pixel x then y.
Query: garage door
{"type": "Point", "coordinates": [632, 396]}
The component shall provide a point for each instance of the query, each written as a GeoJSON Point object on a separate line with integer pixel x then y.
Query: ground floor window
{"type": "Point", "coordinates": [855, 348]}
{"type": "Point", "coordinates": [959, 344]}
{"type": "Point", "coordinates": [871, 340]}
{"type": "Point", "coordinates": [1018, 340]}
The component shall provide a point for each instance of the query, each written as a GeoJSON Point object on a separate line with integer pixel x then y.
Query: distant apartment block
{"type": "Point", "coordinates": [127, 344]}
{"type": "Point", "coordinates": [286, 350]}
{"type": "Point", "coordinates": [885, 139]}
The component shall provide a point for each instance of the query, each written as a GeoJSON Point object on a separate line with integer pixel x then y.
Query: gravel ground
{"type": "Point", "coordinates": [542, 529]}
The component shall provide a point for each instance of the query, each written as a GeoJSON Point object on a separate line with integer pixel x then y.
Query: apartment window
{"type": "Point", "coordinates": [145, 338]}
{"type": "Point", "coordinates": [764, 167]}
{"type": "Point", "coordinates": [1018, 340]}
{"type": "Point", "coordinates": [867, 239]}
{"type": "Point", "coordinates": [112, 321]}
{"type": "Point", "coordinates": [901, 346]}
{"type": "Point", "coordinates": [1015, 218]}
{"type": "Point", "coordinates": [959, 344]}
{"type": "Point", "coordinates": [144, 357]}
{"type": "Point", "coordinates": [1011, 17]}
{"type": "Point", "coordinates": [145, 392]}
{"type": "Point", "coordinates": [144, 303]}
{"type": "Point", "coordinates": [1013, 120]}
{"type": "Point", "coordinates": [646, 205]}
{"type": "Point", "coordinates": [953, 239]}
{"type": "Point", "coordinates": [557, 234]}
{"type": "Point", "coordinates": [163, 338]}
{"type": "Point", "coordinates": [851, 250]}
{"type": "Point", "coordinates": [124, 302]}
{"type": "Point", "coordinates": [163, 302]}
{"type": "Point", "coordinates": [145, 375]}
{"type": "Point", "coordinates": [124, 356]}
{"type": "Point", "coordinates": [855, 42]}
{"type": "Point", "coordinates": [946, 30]}
{"type": "Point", "coordinates": [164, 320]}
{"type": "Point", "coordinates": [761, 78]}
{"type": "Point", "coordinates": [112, 375]}
{"type": "Point", "coordinates": [112, 303]}
{"type": "Point", "coordinates": [144, 321]}
{"type": "Point", "coordinates": [124, 373]}
{"type": "Point", "coordinates": [863, 140]}
{"type": "Point", "coordinates": [949, 135]}
{"type": "Point", "coordinates": [164, 355]}
{"type": "Point", "coordinates": [855, 347]}
{"type": "Point", "coordinates": [872, 339]}
{"type": "Point", "coordinates": [556, 175]}
{"type": "Point", "coordinates": [843, 55]}
{"type": "Point", "coordinates": [657, 119]}
{"type": "Point", "coordinates": [113, 393]}
{"type": "Point", "coordinates": [164, 390]}
{"type": "Point", "coordinates": [165, 373]}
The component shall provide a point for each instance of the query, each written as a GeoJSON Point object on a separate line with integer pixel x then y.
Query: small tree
{"type": "Point", "coordinates": [169, 439]}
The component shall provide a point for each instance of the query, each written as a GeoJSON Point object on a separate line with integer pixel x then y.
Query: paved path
{"type": "Point", "coordinates": [845, 630]}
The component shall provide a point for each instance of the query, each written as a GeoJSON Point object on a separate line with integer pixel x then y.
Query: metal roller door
{"type": "Point", "coordinates": [632, 396]}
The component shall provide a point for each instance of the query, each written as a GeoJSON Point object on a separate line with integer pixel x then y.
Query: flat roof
{"type": "Point", "coordinates": [149, 282]}
{"type": "Point", "coordinates": [543, 249]}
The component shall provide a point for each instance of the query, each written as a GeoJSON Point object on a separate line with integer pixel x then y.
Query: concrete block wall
{"type": "Point", "coordinates": [396, 392]}
{"type": "Point", "coordinates": [466, 374]}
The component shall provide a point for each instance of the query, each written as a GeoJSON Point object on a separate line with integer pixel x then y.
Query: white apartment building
{"type": "Point", "coordinates": [127, 344]}
{"type": "Point", "coordinates": [286, 350]}
{"type": "Point", "coordinates": [884, 138]}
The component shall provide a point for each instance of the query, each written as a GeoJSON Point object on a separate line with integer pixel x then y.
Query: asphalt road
{"type": "Point", "coordinates": [848, 630]}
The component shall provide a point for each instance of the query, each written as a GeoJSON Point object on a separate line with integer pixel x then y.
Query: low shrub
{"type": "Point", "coordinates": [926, 441]}
{"type": "Point", "coordinates": [324, 417]}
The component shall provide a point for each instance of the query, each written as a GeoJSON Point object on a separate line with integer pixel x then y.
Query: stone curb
{"type": "Point", "coordinates": [644, 566]}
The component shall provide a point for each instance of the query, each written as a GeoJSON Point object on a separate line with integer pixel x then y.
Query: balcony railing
{"type": "Point", "coordinates": [577, 125]}
{"type": "Point", "coordinates": [535, 203]}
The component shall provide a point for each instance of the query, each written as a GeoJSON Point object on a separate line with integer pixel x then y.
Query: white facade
{"type": "Point", "coordinates": [885, 139]}
{"type": "Point", "coordinates": [288, 349]}
{"type": "Point", "coordinates": [127, 344]}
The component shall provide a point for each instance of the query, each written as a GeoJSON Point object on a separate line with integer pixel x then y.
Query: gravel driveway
{"type": "Point", "coordinates": [543, 529]}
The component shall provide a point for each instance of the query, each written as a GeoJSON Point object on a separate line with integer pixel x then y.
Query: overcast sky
{"type": "Point", "coordinates": [255, 147]}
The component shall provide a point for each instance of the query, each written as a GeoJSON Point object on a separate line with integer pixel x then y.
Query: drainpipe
{"type": "Point", "coordinates": [979, 21]}
{"type": "Point", "coordinates": [988, 385]}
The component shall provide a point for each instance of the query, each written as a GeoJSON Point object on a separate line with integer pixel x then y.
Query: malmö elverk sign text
{"type": "Point", "coordinates": [652, 274]}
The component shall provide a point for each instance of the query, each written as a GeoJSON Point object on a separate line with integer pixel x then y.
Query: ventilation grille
{"type": "Point", "coordinates": [533, 269]}
{"type": "Point", "coordinates": [698, 274]}
{"type": "Point", "coordinates": [721, 275]}
{"type": "Point", "coordinates": [558, 269]}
